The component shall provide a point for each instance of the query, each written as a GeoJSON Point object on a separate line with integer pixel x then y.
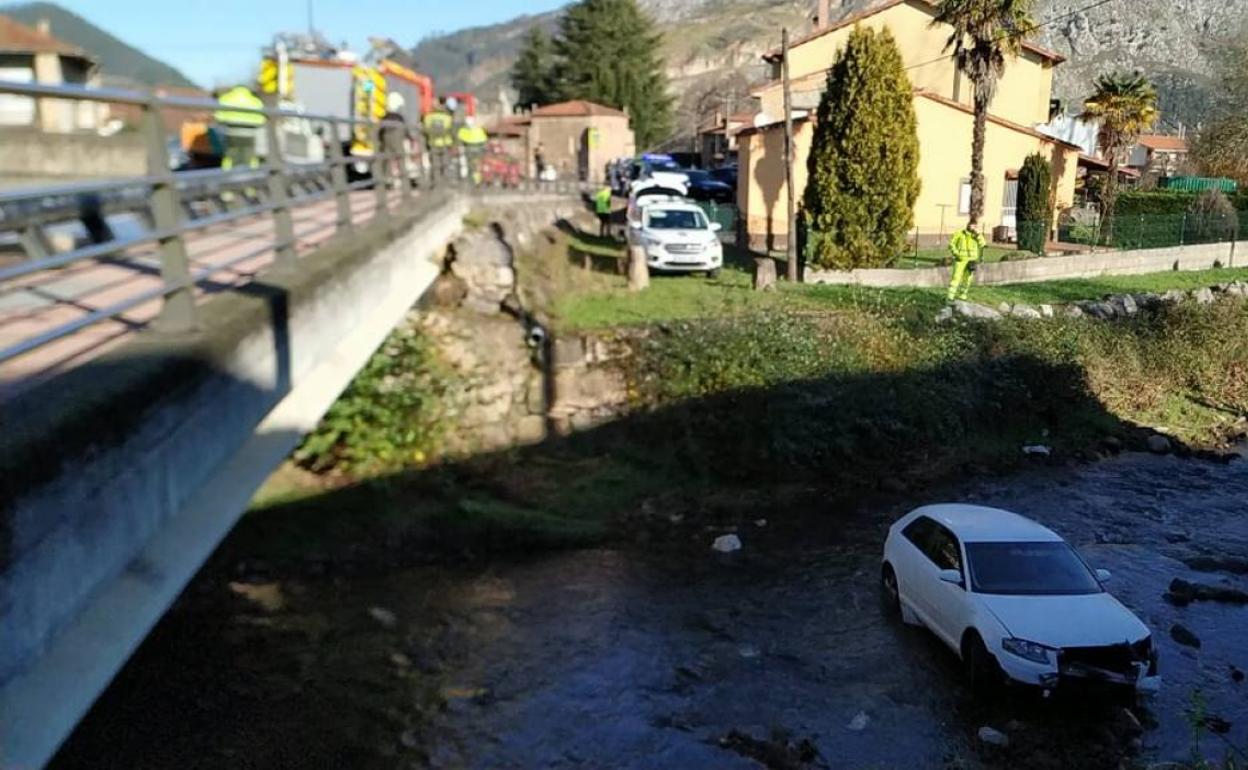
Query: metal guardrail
{"type": "Point", "coordinates": [174, 205]}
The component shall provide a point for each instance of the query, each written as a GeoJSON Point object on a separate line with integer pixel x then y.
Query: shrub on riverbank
{"type": "Point", "coordinates": [856, 393]}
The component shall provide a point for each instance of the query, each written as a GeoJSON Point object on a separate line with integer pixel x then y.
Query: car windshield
{"type": "Point", "coordinates": [676, 219]}
{"type": "Point", "coordinates": [664, 165]}
{"type": "Point", "coordinates": [1035, 569]}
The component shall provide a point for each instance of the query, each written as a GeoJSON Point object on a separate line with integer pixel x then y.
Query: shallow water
{"type": "Point", "coordinates": [633, 659]}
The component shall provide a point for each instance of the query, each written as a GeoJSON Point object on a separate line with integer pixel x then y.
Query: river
{"type": "Point", "coordinates": [651, 657]}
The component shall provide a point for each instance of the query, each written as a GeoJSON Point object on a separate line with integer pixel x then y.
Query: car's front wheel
{"type": "Point", "coordinates": [983, 672]}
{"type": "Point", "coordinates": [890, 593]}
{"type": "Point", "coordinates": [712, 274]}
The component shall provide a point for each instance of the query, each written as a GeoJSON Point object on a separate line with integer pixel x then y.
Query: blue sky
{"type": "Point", "coordinates": [220, 40]}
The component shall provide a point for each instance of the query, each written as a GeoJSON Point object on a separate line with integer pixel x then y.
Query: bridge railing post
{"type": "Point", "coordinates": [381, 178]}
{"type": "Point", "coordinates": [338, 176]}
{"type": "Point", "coordinates": [406, 171]}
{"type": "Point", "coordinates": [279, 195]}
{"type": "Point", "coordinates": [178, 311]}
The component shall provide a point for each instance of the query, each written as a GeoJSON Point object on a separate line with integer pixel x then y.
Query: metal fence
{"type": "Point", "coordinates": [1154, 231]}
{"type": "Point", "coordinates": [177, 210]}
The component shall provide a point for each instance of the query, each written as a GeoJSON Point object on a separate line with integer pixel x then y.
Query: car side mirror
{"type": "Point", "coordinates": [716, 227]}
{"type": "Point", "coordinates": [951, 576]}
{"type": "Point", "coordinates": [1103, 575]}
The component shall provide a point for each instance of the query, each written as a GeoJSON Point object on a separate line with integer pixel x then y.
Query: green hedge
{"type": "Point", "coordinates": [1160, 218]}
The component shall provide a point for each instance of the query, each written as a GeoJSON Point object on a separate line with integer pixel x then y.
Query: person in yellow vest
{"type": "Point", "coordinates": [439, 138]}
{"type": "Point", "coordinates": [472, 140]}
{"type": "Point", "coordinates": [602, 207]}
{"type": "Point", "coordinates": [967, 248]}
{"type": "Point", "coordinates": [241, 126]}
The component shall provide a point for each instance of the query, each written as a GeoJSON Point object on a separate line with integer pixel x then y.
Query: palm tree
{"type": "Point", "coordinates": [1125, 103]}
{"type": "Point", "coordinates": [984, 33]}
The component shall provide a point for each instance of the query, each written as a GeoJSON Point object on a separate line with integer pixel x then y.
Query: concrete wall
{"type": "Point", "coordinates": [1201, 257]}
{"type": "Point", "coordinates": [118, 478]}
{"type": "Point", "coordinates": [32, 154]}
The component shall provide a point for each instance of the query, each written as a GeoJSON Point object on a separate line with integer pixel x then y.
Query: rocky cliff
{"type": "Point", "coordinates": [1170, 40]}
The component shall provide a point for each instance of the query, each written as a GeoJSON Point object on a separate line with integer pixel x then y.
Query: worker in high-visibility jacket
{"type": "Point", "coordinates": [602, 207]}
{"type": "Point", "coordinates": [241, 127]}
{"type": "Point", "coordinates": [437, 125]}
{"type": "Point", "coordinates": [472, 139]}
{"type": "Point", "coordinates": [967, 248]}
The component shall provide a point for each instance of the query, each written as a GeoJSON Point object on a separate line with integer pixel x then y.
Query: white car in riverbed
{"type": "Point", "coordinates": [1013, 600]}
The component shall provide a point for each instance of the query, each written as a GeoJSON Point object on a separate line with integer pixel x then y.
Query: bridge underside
{"type": "Point", "coordinates": [120, 476]}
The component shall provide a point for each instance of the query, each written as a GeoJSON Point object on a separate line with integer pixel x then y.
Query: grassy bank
{"type": "Point", "coordinates": [742, 398]}
{"type": "Point", "coordinates": [602, 300]}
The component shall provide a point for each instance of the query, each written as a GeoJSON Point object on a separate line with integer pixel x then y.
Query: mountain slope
{"type": "Point", "coordinates": [117, 58]}
{"type": "Point", "coordinates": [1169, 40]}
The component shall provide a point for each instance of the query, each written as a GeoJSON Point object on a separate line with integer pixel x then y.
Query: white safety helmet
{"type": "Point", "coordinates": [452, 103]}
{"type": "Point", "coordinates": [395, 102]}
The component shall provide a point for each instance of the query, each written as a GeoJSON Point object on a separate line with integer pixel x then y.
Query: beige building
{"type": "Point", "coordinates": [33, 55]}
{"type": "Point", "coordinates": [1158, 155]}
{"type": "Point", "coordinates": [577, 139]}
{"type": "Point", "coordinates": [942, 103]}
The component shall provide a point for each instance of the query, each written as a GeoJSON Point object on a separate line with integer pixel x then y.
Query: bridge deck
{"type": "Point", "coordinates": [222, 257]}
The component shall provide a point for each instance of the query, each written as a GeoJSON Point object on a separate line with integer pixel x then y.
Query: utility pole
{"type": "Point", "coordinates": [311, 24]}
{"type": "Point", "coordinates": [791, 240]}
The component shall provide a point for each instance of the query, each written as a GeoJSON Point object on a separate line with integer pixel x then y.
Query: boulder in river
{"type": "Point", "coordinates": [992, 737]}
{"type": "Point", "coordinates": [1158, 444]}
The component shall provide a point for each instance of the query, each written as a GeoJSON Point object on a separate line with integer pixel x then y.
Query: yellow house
{"type": "Point", "coordinates": [942, 104]}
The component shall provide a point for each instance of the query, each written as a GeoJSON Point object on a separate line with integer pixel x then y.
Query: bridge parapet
{"type": "Point", "coordinates": [120, 475]}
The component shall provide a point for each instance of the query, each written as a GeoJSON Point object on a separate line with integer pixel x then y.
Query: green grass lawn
{"type": "Point", "coordinates": [606, 302]}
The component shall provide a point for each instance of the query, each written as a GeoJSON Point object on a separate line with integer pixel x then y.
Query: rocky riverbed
{"type": "Point", "coordinates": [671, 655]}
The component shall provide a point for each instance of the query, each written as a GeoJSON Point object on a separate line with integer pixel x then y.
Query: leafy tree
{"type": "Point", "coordinates": [984, 33]}
{"type": "Point", "coordinates": [1211, 218]}
{"type": "Point", "coordinates": [1035, 214]}
{"type": "Point", "coordinates": [608, 53]}
{"type": "Point", "coordinates": [1221, 147]}
{"type": "Point", "coordinates": [533, 75]}
{"type": "Point", "coordinates": [863, 167]}
{"type": "Point", "coordinates": [1125, 104]}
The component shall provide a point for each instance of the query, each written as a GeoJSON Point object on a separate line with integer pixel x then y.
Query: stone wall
{"type": "Point", "coordinates": [34, 155]}
{"type": "Point", "coordinates": [515, 382]}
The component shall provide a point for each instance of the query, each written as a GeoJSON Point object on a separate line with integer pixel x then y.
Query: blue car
{"type": "Point", "coordinates": [705, 187]}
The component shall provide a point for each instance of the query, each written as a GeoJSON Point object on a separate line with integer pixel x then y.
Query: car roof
{"type": "Point", "coordinates": [981, 524]}
{"type": "Point", "coordinates": [673, 205]}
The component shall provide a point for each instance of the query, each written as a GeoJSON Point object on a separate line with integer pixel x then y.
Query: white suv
{"type": "Point", "coordinates": [676, 236]}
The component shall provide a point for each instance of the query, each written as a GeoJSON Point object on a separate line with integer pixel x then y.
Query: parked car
{"type": "Point", "coordinates": [726, 174]}
{"type": "Point", "coordinates": [676, 236]}
{"type": "Point", "coordinates": [704, 187]}
{"type": "Point", "coordinates": [1013, 600]}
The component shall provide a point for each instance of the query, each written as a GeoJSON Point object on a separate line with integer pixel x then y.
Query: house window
{"type": "Point", "coordinates": [964, 197]}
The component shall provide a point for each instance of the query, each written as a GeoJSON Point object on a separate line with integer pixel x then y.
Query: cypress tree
{"type": "Point", "coordinates": [533, 75]}
{"type": "Point", "coordinates": [608, 53]}
{"type": "Point", "coordinates": [863, 167]}
{"type": "Point", "coordinates": [1034, 215]}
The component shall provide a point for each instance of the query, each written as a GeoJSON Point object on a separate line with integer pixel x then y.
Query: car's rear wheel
{"type": "Point", "coordinates": [890, 592]}
{"type": "Point", "coordinates": [983, 672]}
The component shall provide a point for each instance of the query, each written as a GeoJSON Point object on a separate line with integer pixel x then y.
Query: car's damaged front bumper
{"type": "Point", "coordinates": [1118, 665]}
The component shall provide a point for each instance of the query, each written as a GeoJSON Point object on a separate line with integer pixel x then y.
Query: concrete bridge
{"type": "Point", "coordinates": [151, 379]}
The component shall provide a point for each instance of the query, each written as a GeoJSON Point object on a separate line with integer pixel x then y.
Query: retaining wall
{"type": "Point", "coordinates": [1091, 265]}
